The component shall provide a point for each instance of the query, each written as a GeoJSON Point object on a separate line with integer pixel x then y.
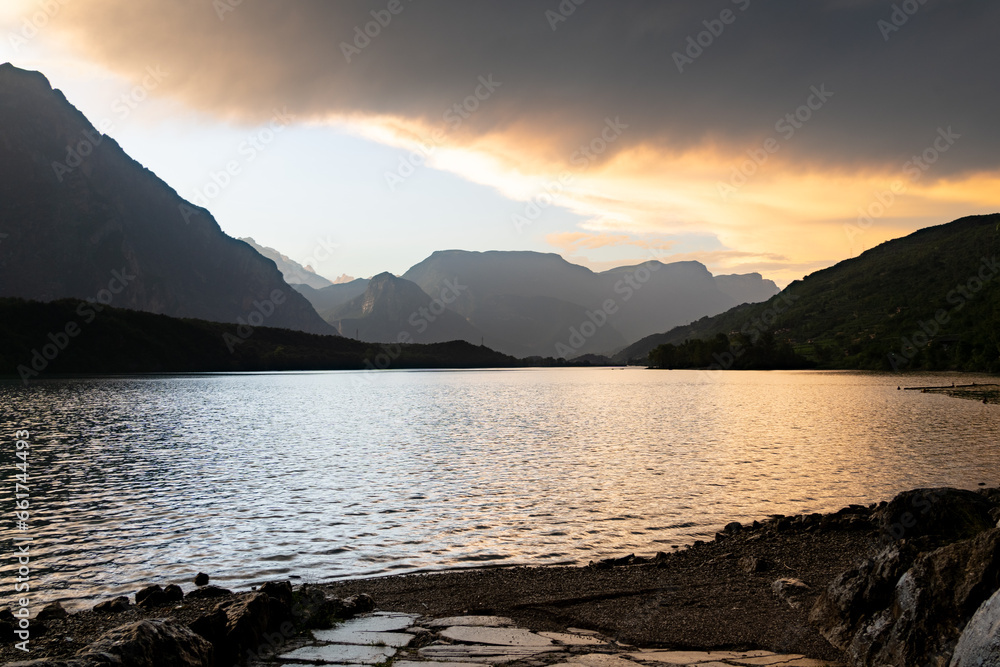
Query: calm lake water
{"type": "Point", "coordinates": [319, 476]}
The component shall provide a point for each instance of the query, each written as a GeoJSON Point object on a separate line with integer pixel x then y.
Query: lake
{"type": "Point", "coordinates": [321, 476]}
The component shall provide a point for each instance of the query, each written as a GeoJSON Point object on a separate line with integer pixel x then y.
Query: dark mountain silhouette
{"type": "Point", "coordinates": [530, 303]}
{"type": "Point", "coordinates": [746, 287]}
{"type": "Point", "coordinates": [930, 300]}
{"type": "Point", "coordinates": [40, 340]}
{"type": "Point", "coordinates": [396, 310]}
{"type": "Point", "coordinates": [333, 296]}
{"type": "Point", "coordinates": [81, 219]}
{"type": "Point", "coordinates": [293, 272]}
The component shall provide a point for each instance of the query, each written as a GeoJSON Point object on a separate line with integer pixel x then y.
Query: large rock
{"type": "Point", "coordinates": [979, 645]}
{"type": "Point", "coordinates": [149, 643]}
{"type": "Point", "coordinates": [920, 621]}
{"type": "Point", "coordinates": [113, 606]}
{"type": "Point", "coordinates": [237, 627]}
{"type": "Point", "coordinates": [151, 596]}
{"type": "Point", "coordinates": [152, 643]}
{"type": "Point", "coordinates": [848, 602]}
{"type": "Point", "coordinates": [8, 623]}
{"type": "Point", "coordinates": [52, 612]}
{"type": "Point", "coordinates": [943, 513]}
{"type": "Point", "coordinates": [206, 592]}
{"type": "Point", "coordinates": [316, 608]}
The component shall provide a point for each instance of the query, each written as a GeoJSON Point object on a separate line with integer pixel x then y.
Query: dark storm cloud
{"type": "Point", "coordinates": [897, 71]}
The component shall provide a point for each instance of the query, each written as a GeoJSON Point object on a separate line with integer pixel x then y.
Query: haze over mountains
{"type": "Point", "coordinates": [81, 219]}
{"type": "Point", "coordinates": [529, 303]}
{"type": "Point", "coordinates": [291, 271]}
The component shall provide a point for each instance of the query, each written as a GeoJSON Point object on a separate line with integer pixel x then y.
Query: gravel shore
{"type": "Point", "coordinates": [715, 595]}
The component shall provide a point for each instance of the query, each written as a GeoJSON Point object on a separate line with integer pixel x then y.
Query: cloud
{"type": "Point", "coordinates": [606, 60]}
{"type": "Point", "coordinates": [788, 116]}
{"type": "Point", "coordinates": [573, 242]}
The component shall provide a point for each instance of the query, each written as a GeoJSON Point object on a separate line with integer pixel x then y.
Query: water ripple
{"type": "Point", "coordinates": [317, 476]}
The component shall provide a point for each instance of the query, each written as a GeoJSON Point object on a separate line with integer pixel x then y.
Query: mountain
{"type": "Point", "coordinates": [79, 218]}
{"type": "Point", "coordinates": [531, 303]}
{"type": "Point", "coordinates": [333, 296]}
{"type": "Point", "coordinates": [293, 272]}
{"type": "Point", "coordinates": [930, 300]}
{"type": "Point", "coordinates": [396, 310]}
{"type": "Point", "coordinates": [39, 340]}
{"type": "Point", "coordinates": [747, 287]}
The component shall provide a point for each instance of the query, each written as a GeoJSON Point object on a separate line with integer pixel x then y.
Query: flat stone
{"type": "Point", "coordinates": [768, 659]}
{"type": "Point", "coordinates": [698, 657]}
{"type": "Point", "coordinates": [479, 653]}
{"type": "Point", "coordinates": [496, 636]}
{"type": "Point", "coordinates": [345, 635]}
{"type": "Point", "coordinates": [569, 639]}
{"type": "Point", "coordinates": [380, 622]}
{"type": "Point", "coordinates": [599, 660]}
{"type": "Point", "coordinates": [341, 654]}
{"type": "Point", "coordinates": [471, 621]}
{"type": "Point", "coordinates": [579, 631]}
{"type": "Point", "coordinates": [431, 663]}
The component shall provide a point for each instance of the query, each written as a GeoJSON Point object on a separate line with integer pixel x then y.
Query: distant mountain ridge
{"type": "Point", "coordinates": [527, 303]}
{"type": "Point", "coordinates": [395, 310]}
{"type": "Point", "coordinates": [83, 220]}
{"type": "Point", "coordinates": [293, 272]}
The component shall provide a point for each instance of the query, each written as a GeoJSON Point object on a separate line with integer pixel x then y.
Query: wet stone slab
{"type": "Point", "coordinates": [349, 636]}
{"type": "Point", "coordinates": [696, 657]}
{"type": "Point", "coordinates": [340, 654]}
{"type": "Point", "coordinates": [481, 653]}
{"type": "Point", "coordinates": [728, 659]}
{"type": "Point", "coordinates": [599, 660]}
{"type": "Point", "coordinates": [471, 621]}
{"type": "Point", "coordinates": [495, 636]}
{"type": "Point", "coordinates": [572, 639]}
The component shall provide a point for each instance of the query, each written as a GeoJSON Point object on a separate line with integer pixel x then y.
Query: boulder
{"type": "Point", "coordinates": [151, 643]}
{"type": "Point", "coordinates": [792, 591]}
{"type": "Point", "coordinates": [753, 564]}
{"type": "Point", "coordinates": [151, 596]}
{"type": "Point", "coordinates": [921, 619]}
{"type": "Point", "coordinates": [944, 514]}
{"type": "Point", "coordinates": [238, 626]}
{"type": "Point", "coordinates": [201, 579]}
{"type": "Point", "coordinates": [314, 607]}
{"type": "Point", "coordinates": [979, 645]}
{"type": "Point", "coordinates": [113, 606]}
{"type": "Point", "coordinates": [852, 596]}
{"type": "Point", "coordinates": [51, 611]}
{"type": "Point", "coordinates": [8, 623]}
{"type": "Point", "coordinates": [359, 604]}
{"type": "Point", "coordinates": [248, 618]}
{"type": "Point", "coordinates": [174, 593]}
{"type": "Point", "coordinates": [206, 592]}
{"type": "Point", "coordinates": [279, 590]}
{"type": "Point", "coordinates": [211, 626]}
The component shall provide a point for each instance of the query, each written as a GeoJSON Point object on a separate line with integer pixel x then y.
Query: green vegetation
{"type": "Point", "coordinates": [929, 301]}
{"type": "Point", "coordinates": [742, 352]}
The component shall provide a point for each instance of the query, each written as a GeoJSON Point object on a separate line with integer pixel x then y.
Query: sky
{"type": "Point", "coordinates": [359, 137]}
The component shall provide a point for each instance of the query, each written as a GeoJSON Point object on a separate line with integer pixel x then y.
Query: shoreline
{"type": "Point", "coordinates": [712, 595]}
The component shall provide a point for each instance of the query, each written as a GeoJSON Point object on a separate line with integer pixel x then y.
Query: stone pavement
{"type": "Point", "coordinates": [389, 639]}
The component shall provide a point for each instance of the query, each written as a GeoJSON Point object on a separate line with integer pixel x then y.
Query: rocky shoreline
{"type": "Point", "coordinates": [909, 582]}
